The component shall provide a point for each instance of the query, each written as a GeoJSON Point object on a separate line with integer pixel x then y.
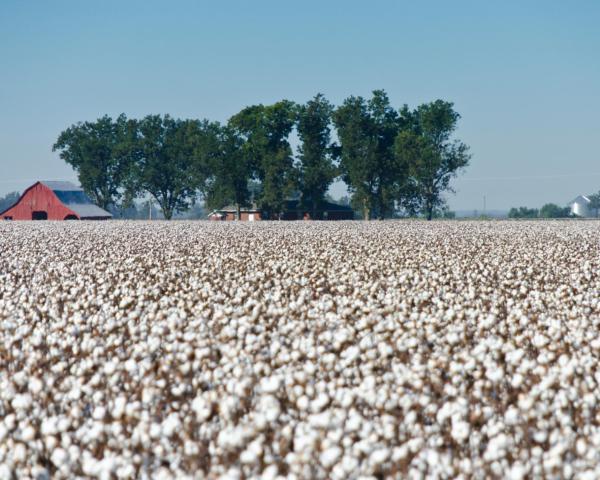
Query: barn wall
{"type": "Point", "coordinates": [38, 198]}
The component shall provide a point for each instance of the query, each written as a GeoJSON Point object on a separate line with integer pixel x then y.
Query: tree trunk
{"type": "Point", "coordinates": [238, 212]}
{"type": "Point", "coordinates": [366, 211]}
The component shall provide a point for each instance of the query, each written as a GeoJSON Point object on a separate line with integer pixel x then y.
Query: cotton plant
{"type": "Point", "coordinates": [299, 350]}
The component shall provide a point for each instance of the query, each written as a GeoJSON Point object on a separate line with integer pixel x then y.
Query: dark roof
{"type": "Point", "coordinates": [75, 198]}
{"type": "Point", "coordinates": [233, 208]}
{"type": "Point", "coordinates": [61, 186]}
{"type": "Point", "coordinates": [321, 207]}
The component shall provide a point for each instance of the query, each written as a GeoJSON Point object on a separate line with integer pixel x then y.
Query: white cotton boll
{"type": "Point", "coordinates": [517, 380]}
{"type": "Point", "coordinates": [19, 453]}
{"type": "Point", "coordinates": [126, 471]}
{"type": "Point", "coordinates": [110, 367]}
{"type": "Point", "coordinates": [119, 407]}
{"type": "Point", "coordinates": [319, 403]}
{"type": "Point", "coordinates": [495, 374]}
{"type": "Point", "coordinates": [303, 403]}
{"type": "Point", "coordinates": [271, 384]}
{"type": "Point", "coordinates": [28, 433]}
{"type": "Point", "coordinates": [270, 407]}
{"type": "Point", "coordinates": [171, 425]}
{"type": "Point", "coordinates": [517, 472]}
{"type": "Point", "coordinates": [3, 432]}
{"type": "Point", "coordinates": [460, 431]}
{"type": "Point", "coordinates": [6, 472]}
{"type": "Point", "coordinates": [59, 457]}
{"type": "Point", "coordinates": [49, 426]}
{"type": "Point", "coordinates": [330, 456]}
{"type": "Point", "coordinates": [511, 417]}
{"type": "Point", "coordinates": [379, 456]}
{"type": "Point", "coordinates": [202, 408]}
{"type": "Point", "coordinates": [21, 402]}
{"type": "Point", "coordinates": [35, 385]}
{"type": "Point", "coordinates": [99, 413]}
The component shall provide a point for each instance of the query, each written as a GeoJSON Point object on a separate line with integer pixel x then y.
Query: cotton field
{"type": "Point", "coordinates": [300, 350]}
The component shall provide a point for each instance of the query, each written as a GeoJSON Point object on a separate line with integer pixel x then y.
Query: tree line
{"type": "Point", "coordinates": [390, 159]}
{"type": "Point", "coordinates": [551, 210]}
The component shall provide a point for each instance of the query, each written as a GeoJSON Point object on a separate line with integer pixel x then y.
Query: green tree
{"type": "Point", "coordinates": [169, 154]}
{"type": "Point", "coordinates": [551, 210]}
{"type": "Point", "coordinates": [316, 152]}
{"type": "Point", "coordinates": [230, 175]}
{"type": "Point", "coordinates": [101, 153]}
{"type": "Point", "coordinates": [595, 203]}
{"type": "Point", "coordinates": [432, 158]}
{"type": "Point", "coordinates": [366, 130]}
{"type": "Point", "coordinates": [265, 131]}
{"type": "Point", "coordinates": [523, 212]}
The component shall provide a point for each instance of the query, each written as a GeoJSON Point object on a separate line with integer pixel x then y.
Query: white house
{"type": "Point", "coordinates": [581, 206]}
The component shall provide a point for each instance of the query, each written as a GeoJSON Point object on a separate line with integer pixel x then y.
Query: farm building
{"type": "Point", "coordinates": [54, 201]}
{"type": "Point", "coordinates": [580, 206]}
{"type": "Point", "coordinates": [324, 211]}
{"type": "Point", "coordinates": [293, 211]}
{"type": "Point", "coordinates": [230, 213]}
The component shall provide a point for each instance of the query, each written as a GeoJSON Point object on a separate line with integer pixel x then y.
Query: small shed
{"type": "Point", "coordinates": [324, 211]}
{"type": "Point", "coordinates": [249, 214]}
{"type": "Point", "coordinates": [580, 206]}
{"type": "Point", "coordinates": [52, 200]}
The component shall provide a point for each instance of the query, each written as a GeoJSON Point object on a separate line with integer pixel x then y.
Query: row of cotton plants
{"type": "Point", "coordinates": [300, 350]}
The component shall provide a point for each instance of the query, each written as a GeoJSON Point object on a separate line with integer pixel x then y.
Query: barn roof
{"type": "Point", "coordinates": [583, 199]}
{"type": "Point", "coordinates": [75, 198]}
{"type": "Point", "coordinates": [62, 186]}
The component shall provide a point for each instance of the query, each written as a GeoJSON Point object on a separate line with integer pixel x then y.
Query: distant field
{"type": "Point", "coordinates": [305, 349]}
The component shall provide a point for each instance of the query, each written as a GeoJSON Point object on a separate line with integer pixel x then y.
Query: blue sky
{"type": "Point", "coordinates": [524, 75]}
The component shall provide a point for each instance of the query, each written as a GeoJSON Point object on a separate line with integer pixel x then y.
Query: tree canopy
{"type": "Point", "coordinates": [316, 152]}
{"type": "Point", "coordinates": [101, 154]}
{"type": "Point", "coordinates": [367, 130]}
{"type": "Point", "coordinates": [265, 131]}
{"type": "Point", "coordinates": [391, 159]}
{"type": "Point", "coordinates": [431, 156]}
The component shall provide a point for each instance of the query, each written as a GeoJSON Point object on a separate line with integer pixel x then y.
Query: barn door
{"type": "Point", "coordinates": [39, 215]}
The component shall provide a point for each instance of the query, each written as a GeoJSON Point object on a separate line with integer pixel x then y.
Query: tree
{"type": "Point", "coordinates": [231, 172]}
{"type": "Point", "coordinates": [595, 202]}
{"type": "Point", "coordinates": [9, 200]}
{"type": "Point", "coordinates": [170, 160]}
{"type": "Point", "coordinates": [523, 212]}
{"type": "Point", "coordinates": [265, 131]}
{"type": "Point", "coordinates": [366, 130]}
{"type": "Point", "coordinates": [551, 210]}
{"type": "Point", "coordinates": [316, 152]}
{"type": "Point", "coordinates": [101, 154]}
{"type": "Point", "coordinates": [427, 150]}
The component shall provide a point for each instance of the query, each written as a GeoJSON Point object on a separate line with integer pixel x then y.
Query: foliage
{"type": "Point", "coordinates": [171, 160]}
{"type": "Point", "coordinates": [432, 158]}
{"type": "Point", "coordinates": [595, 203]}
{"type": "Point", "coordinates": [316, 153]}
{"type": "Point", "coordinates": [367, 130]}
{"type": "Point", "coordinates": [265, 131]}
{"type": "Point", "coordinates": [101, 154]}
{"type": "Point", "coordinates": [523, 212]}
{"type": "Point", "coordinates": [231, 172]}
{"type": "Point", "coordinates": [393, 162]}
{"type": "Point", "coordinates": [551, 210]}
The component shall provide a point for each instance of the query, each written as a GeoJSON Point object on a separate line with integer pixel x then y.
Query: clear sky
{"type": "Point", "coordinates": [524, 75]}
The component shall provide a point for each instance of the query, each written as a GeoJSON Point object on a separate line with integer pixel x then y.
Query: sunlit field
{"type": "Point", "coordinates": [300, 349]}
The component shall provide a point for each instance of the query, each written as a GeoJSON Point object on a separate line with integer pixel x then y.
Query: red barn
{"type": "Point", "coordinates": [54, 201]}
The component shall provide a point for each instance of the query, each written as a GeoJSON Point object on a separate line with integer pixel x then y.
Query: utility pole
{"type": "Point", "coordinates": [484, 204]}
